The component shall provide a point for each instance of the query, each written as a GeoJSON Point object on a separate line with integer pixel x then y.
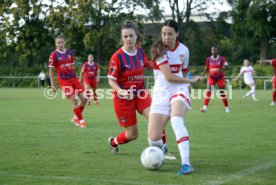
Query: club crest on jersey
{"type": "Point", "coordinates": [181, 57]}
{"type": "Point", "coordinates": [142, 63]}
{"type": "Point", "coordinates": [127, 66]}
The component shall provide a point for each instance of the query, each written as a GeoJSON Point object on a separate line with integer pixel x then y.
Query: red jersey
{"type": "Point", "coordinates": [90, 70]}
{"type": "Point", "coordinates": [127, 69]}
{"type": "Point", "coordinates": [215, 63]}
{"type": "Point", "coordinates": [63, 62]}
{"type": "Point", "coordinates": [274, 65]}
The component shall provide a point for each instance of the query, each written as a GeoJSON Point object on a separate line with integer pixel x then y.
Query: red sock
{"type": "Point", "coordinates": [81, 108]}
{"type": "Point", "coordinates": [121, 139]}
{"type": "Point", "coordinates": [78, 113]}
{"type": "Point", "coordinates": [224, 98]}
{"type": "Point", "coordinates": [274, 96]}
{"type": "Point", "coordinates": [164, 137]}
{"type": "Point", "coordinates": [207, 98]}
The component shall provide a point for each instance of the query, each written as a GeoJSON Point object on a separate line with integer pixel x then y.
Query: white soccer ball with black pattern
{"type": "Point", "coordinates": [152, 158]}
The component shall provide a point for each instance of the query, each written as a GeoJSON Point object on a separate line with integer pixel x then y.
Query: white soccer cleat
{"type": "Point", "coordinates": [227, 110]}
{"type": "Point", "coordinates": [273, 103]}
{"type": "Point", "coordinates": [203, 109]}
{"type": "Point", "coordinates": [169, 156]}
{"type": "Point", "coordinates": [255, 99]}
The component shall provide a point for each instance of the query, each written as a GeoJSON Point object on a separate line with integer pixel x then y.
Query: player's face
{"type": "Point", "coordinates": [90, 58]}
{"type": "Point", "coordinates": [129, 38]}
{"type": "Point", "coordinates": [214, 51]}
{"type": "Point", "coordinates": [59, 44]}
{"type": "Point", "coordinates": [246, 62]}
{"type": "Point", "coordinates": [169, 36]}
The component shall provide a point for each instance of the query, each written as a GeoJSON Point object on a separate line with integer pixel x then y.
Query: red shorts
{"type": "Point", "coordinates": [91, 83]}
{"type": "Point", "coordinates": [221, 83]}
{"type": "Point", "coordinates": [274, 82]}
{"type": "Point", "coordinates": [70, 87]}
{"type": "Point", "coordinates": [126, 109]}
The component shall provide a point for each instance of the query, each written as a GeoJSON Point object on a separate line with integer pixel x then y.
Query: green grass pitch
{"type": "Point", "coordinates": [39, 145]}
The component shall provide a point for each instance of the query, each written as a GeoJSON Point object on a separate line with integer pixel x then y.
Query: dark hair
{"type": "Point", "coordinates": [59, 37]}
{"type": "Point", "coordinates": [171, 23]}
{"type": "Point", "coordinates": [132, 25]}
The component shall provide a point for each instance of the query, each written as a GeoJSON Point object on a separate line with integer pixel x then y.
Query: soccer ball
{"type": "Point", "coordinates": [152, 158]}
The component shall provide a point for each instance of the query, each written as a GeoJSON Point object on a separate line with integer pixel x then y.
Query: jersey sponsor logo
{"type": "Point", "coordinates": [175, 68]}
{"type": "Point", "coordinates": [135, 77]}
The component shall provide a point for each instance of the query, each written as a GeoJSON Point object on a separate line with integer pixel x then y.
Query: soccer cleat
{"type": "Point", "coordinates": [227, 110]}
{"type": "Point", "coordinates": [167, 154]}
{"type": "Point", "coordinates": [96, 102]}
{"type": "Point", "coordinates": [88, 102]}
{"type": "Point", "coordinates": [244, 96]}
{"type": "Point", "coordinates": [76, 121]}
{"type": "Point", "coordinates": [185, 170]}
{"type": "Point", "coordinates": [203, 109]}
{"type": "Point", "coordinates": [273, 103]}
{"type": "Point", "coordinates": [83, 124]}
{"type": "Point", "coordinates": [113, 149]}
{"type": "Point", "coordinates": [255, 99]}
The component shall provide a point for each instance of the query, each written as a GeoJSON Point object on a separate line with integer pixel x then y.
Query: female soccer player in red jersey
{"type": "Point", "coordinates": [273, 63]}
{"type": "Point", "coordinates": [215, 64]}
{"type": "Point", "coordinates": [171, 97]}
{"type": "Point", "coordinates": [125, 76]}
{"type": "Point", "coordinates": [61, 61]}
{"type": "Point", "coordinates": [91, 72]}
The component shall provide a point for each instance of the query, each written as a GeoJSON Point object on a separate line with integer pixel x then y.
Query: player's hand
{"type": "Point", "coordinates": [196, 78]}
{"type": "Point", "coordinates": [125, 94]}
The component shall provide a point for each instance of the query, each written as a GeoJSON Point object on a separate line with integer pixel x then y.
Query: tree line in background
{"type": "Point", "coordinates": [28, 28]}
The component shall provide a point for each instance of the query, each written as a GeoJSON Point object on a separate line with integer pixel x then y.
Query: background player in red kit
{"type": "Point", "coordinates": [91, 73]}
{"type": "Point", "coordinates": [215, 65]}
{"type": "Point", "coordinates": [273, 63]}
{"type": "Point", "coordinates": [125, 76]}
{"type": "Point", "coordinates": [62, 60]}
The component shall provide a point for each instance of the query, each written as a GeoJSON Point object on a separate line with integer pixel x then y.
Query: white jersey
{"type": "Point", "coordinates": [247, 72]}
{"type": "Point", "coordinates": [165, 92]}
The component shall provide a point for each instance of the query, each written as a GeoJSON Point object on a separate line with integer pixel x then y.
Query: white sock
{"type": "Point", "coordinates": [158, 143]}
{"type": "Point", "coordinates": [253, 92]}
{"type": "Point", "coordinates": [182, 138]}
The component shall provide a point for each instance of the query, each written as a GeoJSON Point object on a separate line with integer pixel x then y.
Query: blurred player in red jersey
{"type": "Point", "coordinates": [62, 60]}
{"type": "Point", "coordinates": [171, 97]}
{"type": "Point", "coordinates": [215, 65]}
{"type": "Point", "coordinates": [125, 76]}
{"type": "Point", "coordinates": [91, 73]}
{"type": "Point", "coordinates": [273, 63]}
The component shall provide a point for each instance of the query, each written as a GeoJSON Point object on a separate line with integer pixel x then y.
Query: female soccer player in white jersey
{"type": "Point", "coordinates": [170, 97]}
{"type": "Point", "coordinates": [247, 71]}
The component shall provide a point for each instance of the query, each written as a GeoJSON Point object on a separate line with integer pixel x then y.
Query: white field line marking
{"type": "Point", "coordinates": [242, 173]}
{"type": "Point", "coordinates": [77, 178]}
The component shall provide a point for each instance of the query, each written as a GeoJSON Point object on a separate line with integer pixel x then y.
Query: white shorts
{"type": "Point", "coordinates": [248, 81]}
{"type": "Point", "coordinates": [162, 99]}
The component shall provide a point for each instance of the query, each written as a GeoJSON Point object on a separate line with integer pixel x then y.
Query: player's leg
{"type": "Point", "coordinates": [274, 92]}
{"type": "Point", "coordinates": [253, 91]}
{"type": "Point", "coordinates": [87, 87]}
{"type": "Point", "coordinates": [223, 95]}
{"type": "Point", "coordinates": [179, 109]}
{"type": "Point", "coordinates": [210, 85]}
{"type": "Point", "coordinates": [94, 88]}
{"type": "Point", "coordinates": [126, 114]}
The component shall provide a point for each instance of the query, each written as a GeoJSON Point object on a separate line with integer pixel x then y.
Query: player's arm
{"type": "Point", "coordinates": [52, 74]}
{"type": "Point", "coordinates": [237, 77]}
{"type": "Point", "coordinates": [98, 75]}
{"type": "Point", "coordinates": [204, 71]}
{"type": "Point", "coordinates": [264, 61]}
{"type": "Point", "coordinates": [81, 74]}
{"type": "Point", "coordinates": [170, 77]}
